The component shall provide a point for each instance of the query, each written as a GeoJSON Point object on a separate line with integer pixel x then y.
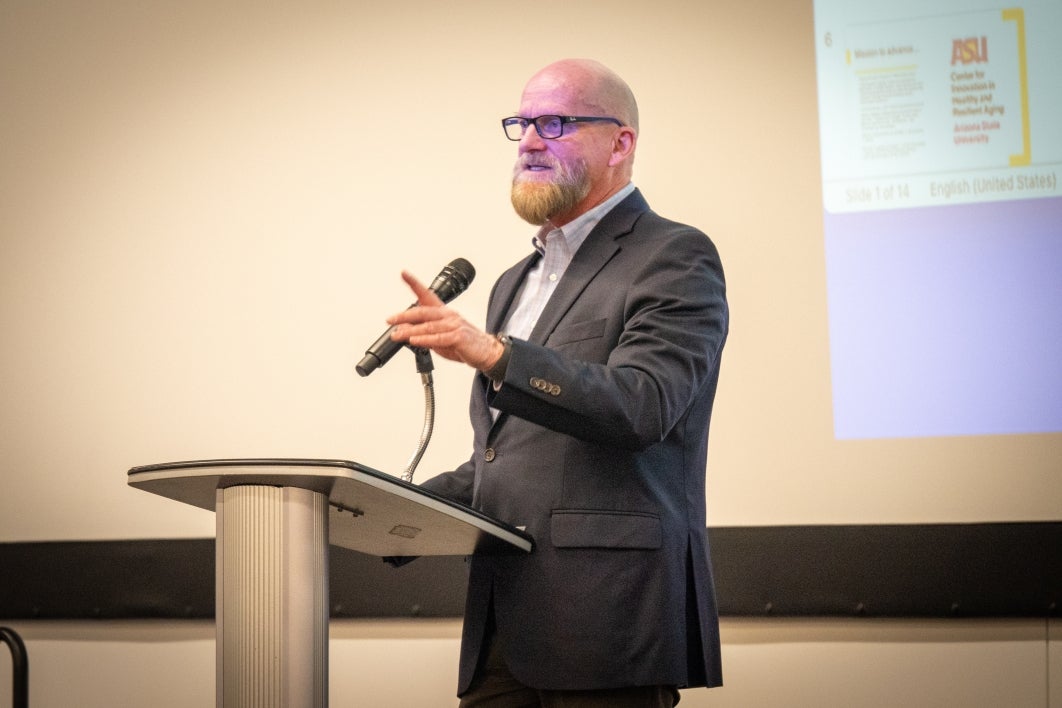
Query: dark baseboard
{"type": "Point", "coordinates": [935, 570]}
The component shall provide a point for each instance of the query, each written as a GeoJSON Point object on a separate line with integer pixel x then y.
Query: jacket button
{"type": "Point", "coordinates": [489, 454]}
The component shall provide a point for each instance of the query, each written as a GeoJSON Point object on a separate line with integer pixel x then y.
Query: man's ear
{"type": "Point", "coordinates": [623, 145]}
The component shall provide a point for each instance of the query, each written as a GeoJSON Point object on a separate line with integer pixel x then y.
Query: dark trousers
{"type": "Point", "coordinates": [495, 687]}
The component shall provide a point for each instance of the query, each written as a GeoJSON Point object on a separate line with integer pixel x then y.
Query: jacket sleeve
{"type": "Point", "coordinates": [456, 485]}
{"type": "Point", "coordinates": [665, 320]}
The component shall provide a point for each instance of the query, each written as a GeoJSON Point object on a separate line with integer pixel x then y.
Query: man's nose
{"type": "Point", "coordinates": [531, 140]}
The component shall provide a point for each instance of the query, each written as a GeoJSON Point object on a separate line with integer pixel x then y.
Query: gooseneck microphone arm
{"type": "Point", "coordinates": [424, 368]}
{"type": "Point", "coordinates": [451, 281]}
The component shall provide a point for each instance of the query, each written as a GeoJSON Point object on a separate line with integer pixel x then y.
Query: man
{"type": "Point", "coordinates": [598, 369]}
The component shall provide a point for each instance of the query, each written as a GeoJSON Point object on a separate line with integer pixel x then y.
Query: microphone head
{"type": "Point", "coordinates": [453, 280]}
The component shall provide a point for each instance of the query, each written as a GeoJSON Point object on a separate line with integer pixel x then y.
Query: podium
{"type": "Point", "coordinates": [275, 520]}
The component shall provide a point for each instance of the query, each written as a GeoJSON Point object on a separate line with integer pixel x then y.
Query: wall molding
{"type": "Point", "coordinates": [923, 570]}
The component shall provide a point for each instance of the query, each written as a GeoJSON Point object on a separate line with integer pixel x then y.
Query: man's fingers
{"type": "Point", "coordinates": [424, 295]}
{"type": "Point", "coordinates": [424, 309]}
{"type": "Point", "coordinates": [429, 323]}
{"type": "Point", "coordinates": [416, 314]}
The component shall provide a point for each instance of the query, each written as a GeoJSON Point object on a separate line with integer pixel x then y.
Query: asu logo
{"type": "Point", "coordinates": [972, 50]}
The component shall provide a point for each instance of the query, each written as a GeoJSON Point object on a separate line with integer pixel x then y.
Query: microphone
{"type": "Point", "coordinates": [451, 281]}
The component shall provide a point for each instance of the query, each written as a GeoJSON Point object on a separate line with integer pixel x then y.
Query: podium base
{"type": "Point", "coordinates": [272, 597]}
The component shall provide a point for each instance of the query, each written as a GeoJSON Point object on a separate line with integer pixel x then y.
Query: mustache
{"type": "Point", "coordinates": [533, 160]}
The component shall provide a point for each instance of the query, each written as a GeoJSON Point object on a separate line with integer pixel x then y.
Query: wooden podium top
{"type": "Point", "coordinates": [368, 511]}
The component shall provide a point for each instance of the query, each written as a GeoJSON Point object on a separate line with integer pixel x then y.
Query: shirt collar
{"type": "Point", "coordinates": [576, 230]}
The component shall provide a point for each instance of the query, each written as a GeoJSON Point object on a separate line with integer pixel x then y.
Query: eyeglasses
{"type": "Point", "coordinates": [547, 127]}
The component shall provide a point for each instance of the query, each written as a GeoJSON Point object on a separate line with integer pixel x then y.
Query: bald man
{"type": "Point", "coordinates": [597, 369]}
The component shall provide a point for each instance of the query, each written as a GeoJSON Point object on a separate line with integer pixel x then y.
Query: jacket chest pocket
{"type": "Point", "coordinates": [576, 332]}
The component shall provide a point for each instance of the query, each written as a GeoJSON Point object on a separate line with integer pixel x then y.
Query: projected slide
{"type": "Point", "coordinates": [941, 132]}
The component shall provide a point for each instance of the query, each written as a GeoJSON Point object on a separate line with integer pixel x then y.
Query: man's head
{"type": "Point", "coordinates": [557, 179]}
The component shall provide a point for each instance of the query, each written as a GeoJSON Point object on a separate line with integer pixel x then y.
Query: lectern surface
{"type": "Point", "coordinates": [369, 511]}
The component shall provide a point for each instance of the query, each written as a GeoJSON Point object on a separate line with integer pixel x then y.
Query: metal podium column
{"type": "Point", "coordinates": [272, 597]}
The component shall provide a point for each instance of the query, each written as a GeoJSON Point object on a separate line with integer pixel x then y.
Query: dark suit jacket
{"type": "Point", "coordinates": [600, 453]}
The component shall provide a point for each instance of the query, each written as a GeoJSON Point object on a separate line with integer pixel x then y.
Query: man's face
{"type": "Point", "coordinates": [553, 177]}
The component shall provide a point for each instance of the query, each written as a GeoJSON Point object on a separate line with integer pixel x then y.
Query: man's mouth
{"type": "Point", "coordinates": [536, 167]}
{"type": "Point", "coordinates": [525, 168]}
{"type": "Point", "coordinates": [532, 161]}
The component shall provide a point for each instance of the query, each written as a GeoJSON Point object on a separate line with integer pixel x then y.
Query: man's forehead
{"type": "Point", "coordinates": [557, 97]}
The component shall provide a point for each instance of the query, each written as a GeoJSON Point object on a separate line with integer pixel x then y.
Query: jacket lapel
{"type": "Point", "coordinates": [599, 247]}
{"type": "Point", "coordinates": [501, 299]}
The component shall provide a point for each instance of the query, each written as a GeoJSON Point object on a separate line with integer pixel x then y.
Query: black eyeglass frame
{"type": "Point", "coordinates": [564, 120]}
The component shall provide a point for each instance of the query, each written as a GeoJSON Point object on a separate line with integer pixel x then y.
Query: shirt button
{"type": "Point", "coordinates": [553, 277]}
{"type": "Point", "coordinates": [489, 454]}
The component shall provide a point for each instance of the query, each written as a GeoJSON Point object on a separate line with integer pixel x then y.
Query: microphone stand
{"type": "Point", "coordinates": [424, 367]}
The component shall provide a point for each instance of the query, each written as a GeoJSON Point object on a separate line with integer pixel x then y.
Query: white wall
{"type": "Point", "coordinates": [206, 207]}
